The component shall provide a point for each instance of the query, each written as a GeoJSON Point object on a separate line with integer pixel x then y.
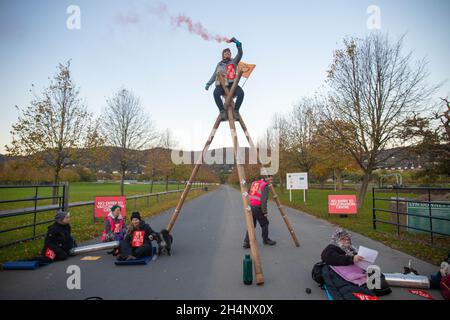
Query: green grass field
{"type": "Point", "coordinates": [415, 244]}
{"type": "Point", "coordinates": [83, 227]}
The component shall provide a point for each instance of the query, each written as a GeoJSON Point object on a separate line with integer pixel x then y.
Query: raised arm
{"type": "Point", "coordinates": [240, 52]}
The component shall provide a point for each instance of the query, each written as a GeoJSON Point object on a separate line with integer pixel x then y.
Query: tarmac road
{"type": "Point", "coordinates": [206, 261]}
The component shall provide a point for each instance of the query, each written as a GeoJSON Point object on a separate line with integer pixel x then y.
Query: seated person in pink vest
{"type": "Point", "coordinates": [258, 196]}
{"type": "Point", "coordinates": [138, 240]}
{"type": "Point", "coordinates": [114, 228]}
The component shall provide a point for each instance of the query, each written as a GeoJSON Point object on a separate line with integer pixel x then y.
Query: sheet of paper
{"type": "Point", "coordinates": [369, 257]}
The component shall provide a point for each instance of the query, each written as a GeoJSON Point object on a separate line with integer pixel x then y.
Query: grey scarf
{"type": "Point", "coordinates": [339, 234]}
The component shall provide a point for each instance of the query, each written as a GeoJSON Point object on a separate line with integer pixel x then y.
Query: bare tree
{"type": "Point", "coordinates": [279, 124]}
{"type": "Point", "coordinates": [444, 117]}
{"type": "Point", "coordinates": [166, 167]}
{"type": "Point", "coordinates": [373, 89]}
{"type": "Point", "coordinates": [126, 127]}
{"type": "Point", "coordinates": [167, 140]}
{"type": "Point", "coordinates": [301, 133]}
{"type": "Point", "coordinates": [54, 125]}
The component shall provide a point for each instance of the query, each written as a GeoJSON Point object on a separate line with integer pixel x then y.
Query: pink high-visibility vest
{"type": "Point", "coordinates": [255, 192]}
{"type": "Point", "coordinates": [116, 228]}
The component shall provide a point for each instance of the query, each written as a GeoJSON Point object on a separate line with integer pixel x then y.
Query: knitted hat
{"type": "Point", "coordinates": [225, 50]}
{"type": "Point", "coordinates": [136, 215]}
{"type": "Point", "coordinates": [60, 215]}
{"type": "Point", "coordinates": [114, 207]}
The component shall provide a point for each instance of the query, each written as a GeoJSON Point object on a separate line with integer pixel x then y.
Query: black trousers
{"type": "Point", "coordinates": [218, 92]}
{"type": "Point", "coordinates": [125, 250]}
{"type": "Point", "coordinates": [258, 216]}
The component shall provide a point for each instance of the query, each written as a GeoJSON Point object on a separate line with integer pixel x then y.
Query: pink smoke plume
{"type": "Point", "coordinates": [196, 28]}
{"type": "Point", "coordinates": [180, 21]}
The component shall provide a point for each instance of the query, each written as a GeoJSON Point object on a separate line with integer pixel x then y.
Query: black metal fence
{"type": "Point", "coordinates": [413, 209]}
{"type": "Point", "coordinates": [59, 201]}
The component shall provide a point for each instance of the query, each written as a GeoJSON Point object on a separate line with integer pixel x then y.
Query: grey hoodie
{"type": "Point", "coordinates": [222, 67]}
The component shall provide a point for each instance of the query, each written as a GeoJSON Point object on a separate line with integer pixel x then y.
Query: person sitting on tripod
{"type": "Point", "coordinates": [228, 67]}
{"type": "Point", "coordinates": [258, 196]}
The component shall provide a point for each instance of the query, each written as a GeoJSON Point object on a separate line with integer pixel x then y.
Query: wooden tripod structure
{"type": "Point", "coordinates": [229, 106]}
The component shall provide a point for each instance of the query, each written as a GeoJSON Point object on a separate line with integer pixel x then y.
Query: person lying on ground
{"type": "Point", "coordinates": [340, 274]}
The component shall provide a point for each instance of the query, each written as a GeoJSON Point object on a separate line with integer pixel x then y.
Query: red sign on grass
{"type": "Point", "coordinates": [102, 206]}
{"type": "Point", "coordinates": [342, 204]}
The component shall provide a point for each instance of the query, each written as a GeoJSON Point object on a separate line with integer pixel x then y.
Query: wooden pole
{"type": "Point", "coordinates": [284, 215]}
{"type": "Point", "coordinates": [272, 189]}
{"type": "Point", "coordinates": [187, 188]}
{"type": "Point", "coordinates": [229, 106]}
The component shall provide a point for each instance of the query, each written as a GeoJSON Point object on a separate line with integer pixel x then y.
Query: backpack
{"type": "Point", "coordinates": [445, 287]}
{"type": "Point", "coordinates": [316, 273]}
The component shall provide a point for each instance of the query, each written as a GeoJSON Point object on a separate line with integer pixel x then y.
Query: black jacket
{"type": "Point", "coordinates": [59, 239]}
{"type": "Point", "coordinates": [332, 255]}
{"type": "Point", "coordinates": [142, 226]}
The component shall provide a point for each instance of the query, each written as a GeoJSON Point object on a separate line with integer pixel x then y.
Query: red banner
{"type": "Point", "coordinates": [102, 205]}
{"type": "Point", "coordinates": [362, 296]}
{"type": "Point", "coordinates": [342, 204]}
{"type": "Point", "coordinates": [422, 294]}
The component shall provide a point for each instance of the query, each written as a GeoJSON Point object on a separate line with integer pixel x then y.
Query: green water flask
{"type": "Point", "coordinates": [248, 269]}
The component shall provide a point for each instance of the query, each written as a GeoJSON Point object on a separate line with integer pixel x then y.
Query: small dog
{"type": "Point", "coordinates": [164, 241]}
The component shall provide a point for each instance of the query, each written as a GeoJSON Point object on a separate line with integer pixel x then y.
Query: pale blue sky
{"type": "Point", "coordinates": [291, 42]}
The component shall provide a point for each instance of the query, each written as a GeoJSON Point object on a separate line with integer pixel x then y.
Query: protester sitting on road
{"type": "Point", "coordinates": [114, 225]}
{"type": "Point", "coordinates": [59, 241]}
{"type": "Point", "coordinates": [340, 252]}
{"type": "Point", "coordinates": [341, 278]}
{"type": "Point", "coordinates": [137, 242]}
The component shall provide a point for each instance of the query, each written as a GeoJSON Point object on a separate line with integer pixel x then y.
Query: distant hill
{"type": "Point", "coordinates": [396, 158]}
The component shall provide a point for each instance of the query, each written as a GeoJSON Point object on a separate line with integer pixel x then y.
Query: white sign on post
{"type": "Point", "coordinates": [297, 181]}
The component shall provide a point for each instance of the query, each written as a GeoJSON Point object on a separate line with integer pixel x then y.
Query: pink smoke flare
{"type": "Point", "coordinates": [196, 28]}
{"type": "Point", "coordinates": [181, 21]}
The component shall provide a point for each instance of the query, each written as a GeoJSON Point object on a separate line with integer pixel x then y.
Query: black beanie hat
{"type": "Point", "coordinates": [114, 207]}
{"type": "Point", "coordinates": [136, 215]}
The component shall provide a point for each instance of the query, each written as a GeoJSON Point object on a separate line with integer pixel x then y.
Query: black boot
{"type": "Point", "coordinates": [270, 242]}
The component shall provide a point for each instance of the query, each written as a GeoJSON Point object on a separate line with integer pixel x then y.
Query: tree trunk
{"type": "Point", "coordinates": [122, 183]}
{"type": "Point", "coordinates": [322, 183]}
{"type": "Point", "coordinates": [339, 179]}
{"type": "Point", "coordinates": [281, 183]}
{"type": "Point", "coordinates": [363, 189]}
{"type": "Point", "coordinates": [55, 189]}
